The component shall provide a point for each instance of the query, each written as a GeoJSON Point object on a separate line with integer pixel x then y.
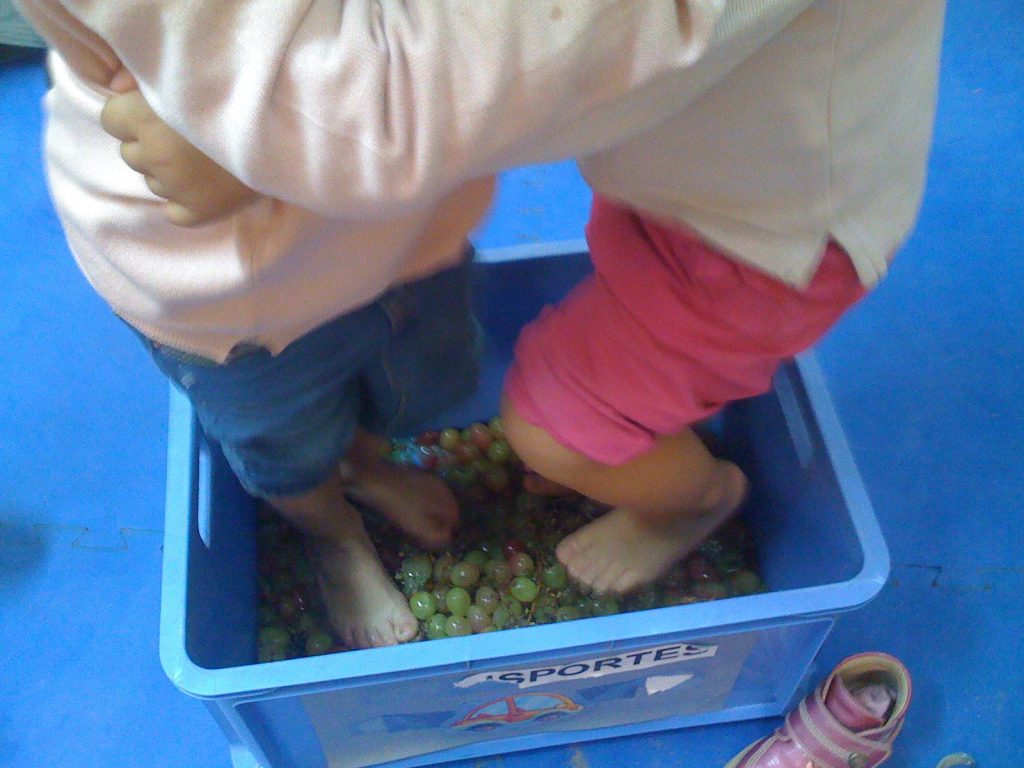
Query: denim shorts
{"type": "Point", "coordinates": [284, 421]}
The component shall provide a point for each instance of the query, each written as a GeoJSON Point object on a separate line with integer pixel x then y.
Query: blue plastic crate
{"type": "Point", "coordinates": [820, 549]}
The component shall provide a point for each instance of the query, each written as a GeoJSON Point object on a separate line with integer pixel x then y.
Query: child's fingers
{"type": "Point", "coordinates": [156, 186]}
{"type": "Point", "coordinates": [194, 215]}
{"type": "Point", "coordinates": [120, 115]}
{"type": "Point", "coordinates": [123, 81]}
{"type": "Point", "coordinates": [132, 154]}
{"type": "Point", "coordinates": [180, 216]}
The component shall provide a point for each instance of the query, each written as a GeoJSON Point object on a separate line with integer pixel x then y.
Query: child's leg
{"type": "Point", "coordinates": [666, 332]}
{"type": "Point", "coordinates": [285, 421]}
{"type": "Point", "coordinates": [362, 602]}
{"type": "Point", "coordinates": [430, 363]}
{"type": "Point", "coordinates": [667, 501]}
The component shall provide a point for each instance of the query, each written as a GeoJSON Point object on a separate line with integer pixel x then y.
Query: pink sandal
{"type": "Point", "coordinates": [849, 721]}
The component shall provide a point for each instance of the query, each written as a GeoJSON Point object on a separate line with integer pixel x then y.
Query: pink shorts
{"type": "Point", "coordinates": [666, 332]}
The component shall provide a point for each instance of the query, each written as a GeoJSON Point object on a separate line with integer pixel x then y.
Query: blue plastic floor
{"type": "Point", "coordinates": [927, 375]}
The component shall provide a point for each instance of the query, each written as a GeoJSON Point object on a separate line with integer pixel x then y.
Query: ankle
{"type": "Point", "coordinates": [723, 490]}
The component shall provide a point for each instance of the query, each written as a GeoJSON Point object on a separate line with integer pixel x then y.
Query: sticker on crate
{"type": "Point", "coordinates": [520, 708]}
{"type": "Point", "coordinates": [580, 669]}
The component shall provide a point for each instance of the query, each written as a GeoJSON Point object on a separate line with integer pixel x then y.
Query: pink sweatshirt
{"type": "Point", "coordinates": [767, 126]}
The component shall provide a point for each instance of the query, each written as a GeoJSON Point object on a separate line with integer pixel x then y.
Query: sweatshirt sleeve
{"type": "Point", "coordinates": [371, 108]}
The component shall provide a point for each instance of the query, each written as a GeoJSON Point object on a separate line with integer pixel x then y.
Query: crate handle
{"type": "Point", "coordinates": [204, 495]}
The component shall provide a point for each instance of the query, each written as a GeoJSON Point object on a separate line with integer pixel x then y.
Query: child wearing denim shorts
{"type": "Point", "coordinates": [301, 340]}
{"type": "Point", "coordinates": [302, 430]}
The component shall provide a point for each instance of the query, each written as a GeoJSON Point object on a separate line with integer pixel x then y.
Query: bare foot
{"type": "Point", "coordinates": [365, 608]}
{"type": "Point", "coordinates": [623, 550]}
{"type": "Point", "coordinates": [414, 501]}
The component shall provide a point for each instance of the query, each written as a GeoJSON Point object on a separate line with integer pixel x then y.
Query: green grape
{"type": "Point", "coordinates": [646, 599]}
{"type": "Point", "coordinates": [546, 601]}
{"type": "Point", "coordinates": [746, 582]}
{"type": "Point", "coordinates": [482, 465]}
{"type": "Point", "coordinates": [440, 593]}
{"type": "Point", "coordinates": [464, 574]}
{"type": "Point", "coordinates": [513, 606]}
{"type": "Point", "coordinates": [521, 564]}
{"type": "Point", "coordinates": [287, 607]}
{"type": "Point", "coordinates": [523, 589]}
{"type": "Point", "coordinates": [442, 567]}
{"type": "Point", "coordinates": [423, 605]}
{"type": "Point", "coordinates": [436, 626]}
{"type": "Point", "coordinates": [543, 615]}
{"type": "Point", "coordinates": [499, 452]}
{"type": "Point", "coordinates": [568, 613]}
{"type": "Point", "coordinates": [480, 435]}
{"type": "Point", "coordinates": [568, 596]}
{"type": "Point", "coordinates": [478, 618]}
{"type": "Point", "coordinates": [450, 439]}
{"type": "Point", "coordinates": [710, 590]}
{"type": "Point", "coordinates": [487, 599]}
{"type": "Point", "coordinates": [499, 571]}
{"type": "Point", "coordinates": [555, 576]}
{"type": "Point", "coordinates": [458, 601]}
{"type": "Point", "coordinates": [307, 624]}
{"type": "Point", "coordinates": [500, 617]}
{"type": "Point", "coordinates": [274, 637]}
{"type": "Point", "coordinates": [467, 453]}
{"type": "Point", "coordinates": [318, 644]}
{"type": "Point", "coordinates": [478, 557]}
{"type": "Point", "coordinates": [416, 569]}
{"type": "Point", "coordinates": [585, 605]}
{"type": "Point", "coordinates": [497, 427]}
{"type": "Point", "coordinates": [457, 626]}
{"type": "Point", "coordinates": [606, 605]}
{"type": "Point", "coordinates": [275, 653]}
{"type": "Point", "coordinates": [463, 475]}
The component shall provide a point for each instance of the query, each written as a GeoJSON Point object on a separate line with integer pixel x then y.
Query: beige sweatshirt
{"type": "Point", "coordinates": [767, 126]}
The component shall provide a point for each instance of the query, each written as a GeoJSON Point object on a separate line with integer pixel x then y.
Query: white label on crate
{"type": "Point", "coordinates": [661, 683]}
{"type": "Point", "coordinates": [611, 664]}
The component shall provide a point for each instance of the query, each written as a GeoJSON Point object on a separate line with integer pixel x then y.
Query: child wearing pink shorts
{"type": "Point", "coordinates": [606, 386]}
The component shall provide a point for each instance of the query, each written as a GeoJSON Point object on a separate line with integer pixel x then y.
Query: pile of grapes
{"type": "Point", "coordinates": [500, 572]}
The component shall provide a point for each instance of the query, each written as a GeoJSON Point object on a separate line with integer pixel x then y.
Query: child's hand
{"type": "Point", "coordinates": [197, 190]}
